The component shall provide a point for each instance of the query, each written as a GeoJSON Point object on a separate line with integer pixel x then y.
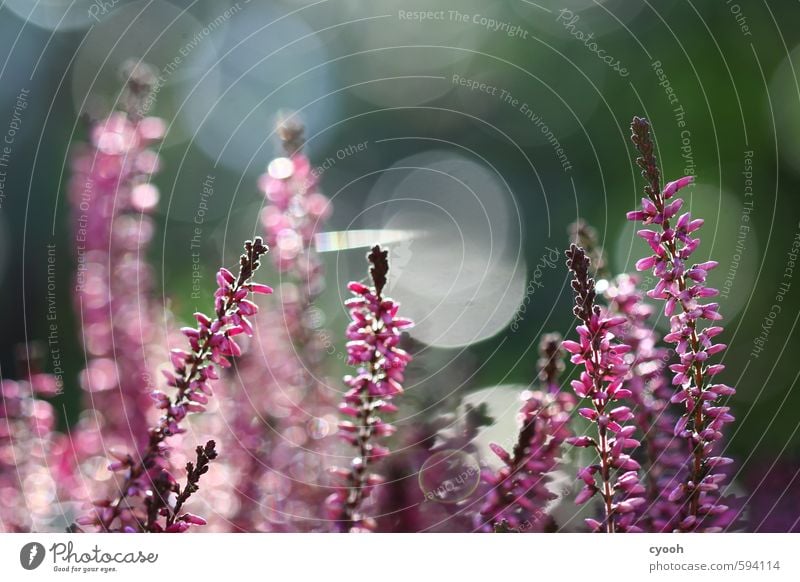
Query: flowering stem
{"type": "Point", "coordinates": [288, 363]}
{"type": "Point", "coordinates": [702, 423]}
{"type": "Point", "coordinates": [519, 494]}
{"type": "Point", "coordinates": [608, 494]}
{"type": "Point", "coordinates": [603, 448]}
{"type": "Point", "coordinates": [366, 428]}
{"type": "Point", "coordinates": [193, 473]}
{"type": "Point", "coordinates": [373, 334]}
{"type": "Point", "coordinates": [211, 342]}
{"type": "Point", "coordinates": [641, 138]}
{"type": "Point", "coordinates": [365, 433]}
{"type": "Point", "coordinates": [601, 382]}
{"type": "Point", "coordinates": [359, 471]}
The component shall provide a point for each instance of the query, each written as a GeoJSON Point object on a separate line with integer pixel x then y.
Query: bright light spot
{"type": "Point", "coordinates": [144, 197]}
{"type": "Point", "coordinates": [503, 404]}
{"type": "Point", "coordinates": [354, 239]}
{"type": "Point", "coordinates": [461, 277]}
{"type": "Point", "coordinates": [280, 168]}
{"type": "Point", "coordinates": [268, 62]}
{"type": "Point", "coordinates": [318, 428]}
{"type": "Point", "coordinates": [449, 476]}
{"type": "Point", "coordinates": [40, 490]}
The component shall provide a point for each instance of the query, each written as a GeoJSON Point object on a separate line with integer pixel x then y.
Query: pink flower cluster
{"type": "Point", "coordinates": [373, 337]}
{"type": "Point", "coordinates": [148, 478]}
{"type": "Point", "coordinates": [601, 381]}
{"type": "Point", "coordinates": [283, 491]}
{"type": "Point", "coordinates": [655, 427]}
{"type": "Point", "coordinates": [112, 199]}
{"type": "Point", "coordinates": [664, 460]}
{"type": "Point", "coordinates": [295, 209]}
{"type": "Point", "coordinates": [28, 445]}
{"type": "Point", "coordinates": [681, 286]}
{"type": "Point", "coordinates": [519, 496]}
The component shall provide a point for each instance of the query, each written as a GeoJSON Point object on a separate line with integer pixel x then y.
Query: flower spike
{"type": "Point", "coordinates": [681, 286]}
{"type": "Point", "coordinates": [615, 476]}
{"type": "Point", "coordinates": [143, 503]}
{"type": "Point", "coordinates": [373, 337]}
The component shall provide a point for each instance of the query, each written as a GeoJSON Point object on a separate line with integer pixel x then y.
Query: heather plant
{"type": "Point", "coordinates": [519, 496]}
{"type": "Point", "coordinates": [433, 478]}
{"type": "Point", "coordinates": [654, 415]}
{"type": "Point", "coordinates": [112, 200]}
{"type": "Point", "coordinates": [663, 460]}
{"type": "Point", "coordinates": [584, 235]}
{"type": "Point", "coordinates": [373, 337]}
{"type": "Point", "coordinates": [681, 286]}
{"type": "Point", "coordinates": [28, 444]}
{"type": "Point", "coordinates": [144, 501]}
{"type": "Point", "coordinates": [286, 365]}
{"type": "Point", "coordinates": [655, 425]}
{"type": "Point", "coordinates": [614, 477]}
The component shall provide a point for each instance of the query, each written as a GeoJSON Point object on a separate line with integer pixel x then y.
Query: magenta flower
{"type": "Point", "coordinates": [681, 286]}
{"type": "Point", "coordinates": [663, 456]}
{"type": "Point", "coordinates": [112, 202]}
{"type": "Point", "coordinates": [144, 498]}
{"type": "Point", "coordinates": [284, 491]}
{"type": "Point", "coordinates": [373, 337]}
{"type": "Point", "coordinates": [27, 449]}
{"type": "Point", "coordinates": [661, 453]}
{"type": "Point", "coordinates": [615, 476]}
{"type": "Point", "coordinates": [295, 210]}
{"type": "Point", "coordinates": [519, 495]}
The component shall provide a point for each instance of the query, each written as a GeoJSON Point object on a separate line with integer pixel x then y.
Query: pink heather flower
{"type": "Point", "coordinates": [285, 491]}
{"type": "Point", "coordinates": [373, 337]}
{"type": "Point", "coordinates": [615, 476]}
{"type": "Point", "coordinates": [519, 496]}
{"type": "Point", "coordinates": [681, 286]}
{"type": "Point", "coordinates": [112, 201]}
{"type": "Point", "coordinates": [144, 498]}
{"type": "Point", "coordinates": [663, 456]}
{"type": "Point", "coordinates": [27, 447]}
{"type": "Point", "coordinates": [295, 209]}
